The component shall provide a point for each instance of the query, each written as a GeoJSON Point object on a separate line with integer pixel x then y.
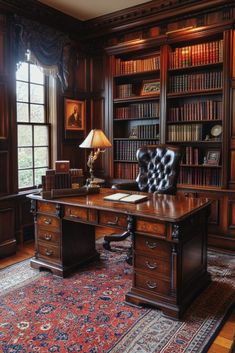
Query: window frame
{"type": "Point", "coordinates": [46, 123]}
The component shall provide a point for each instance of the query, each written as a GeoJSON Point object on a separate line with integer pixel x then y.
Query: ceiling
{"type": "Point", "coordinates": [87, 9]}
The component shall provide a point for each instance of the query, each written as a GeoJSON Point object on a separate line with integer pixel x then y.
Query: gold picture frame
{"type": "Point", "coordinates": [150, 87]}
{"type": "Point", "coordinates": [74, 115]}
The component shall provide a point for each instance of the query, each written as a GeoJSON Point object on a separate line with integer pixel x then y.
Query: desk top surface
{"type": "Point", "coordinates": [162, 207]}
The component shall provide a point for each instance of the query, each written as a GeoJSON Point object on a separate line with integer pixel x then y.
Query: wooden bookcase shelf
{"type": "Point", "coordinates": [152, 97]}
{"type": "Point", "coordinates": [193, 102]}
{"type": "Point", "coordinates": [192, 68]}
{"type": "Point", "coordinates": [213, 121]}
{"type": "Point", "coordinates": [195, 93]}
{"type": "Point", "coordinates": [136, 108]}
{"type": "Point", "coordinates": [135, 75]}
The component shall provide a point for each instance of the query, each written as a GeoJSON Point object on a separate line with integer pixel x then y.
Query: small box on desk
{"type": "Point", "coordinates": [62, 166]}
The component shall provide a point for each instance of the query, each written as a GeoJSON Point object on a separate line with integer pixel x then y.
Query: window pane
{"type": "Point", "coordinates": [38, 175]}
{"type": "Point", "coordinates": [37, 114]}
{"type": "Point", "coordinates": [22, 112]}
{"type": "Point", "coordinates": [25, 135]}
{"type": "Point", "coordinates": [41, 157]}
{"type": "Point", "coordinates": [36, 75]}
{"type": "Point", "coordinates": [22, 72]}
{"type": "Point", "coordinates": [41, 136]}
{"type": "Point", "coordinates": [22, 94]}
{"type": "Point", "coordinates": [25, 178]}
{"type": "Point", "coordinates": [36, 94]}
{"type": "Point", "coordinates": [25, 159]}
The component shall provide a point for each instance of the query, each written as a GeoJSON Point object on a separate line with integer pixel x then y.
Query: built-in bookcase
{"type": "Point", "coordinates": [136, 109]}
{"type": "Point", "coordinates": [175, 94]}
{"type": "Point", "coordinates": [195, 110]}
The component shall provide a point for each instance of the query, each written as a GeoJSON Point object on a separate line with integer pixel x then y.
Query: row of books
{"type": "Point", "coordinates": [147, 131]}
{"type": "Point", "coordinates": [207, 110]}
{"type": "Point", "coordinates": [191, 156]}
{"type": "Point", "coordinates": [200, 176]}
{"type": "Point", "coordinates": [124, 67]}
{"type": "Point", "coordinates": [54, 180]}
{"type": "Point", "coordinates": [185, 132]}
{"type": "Point", "coordinates": [126, 150]}
{"type": "Point", "coordinates": [138, 111]}
{"type": "Point", "coordinates": [126, 170]}
{"type": "Point", "coordinates": [199, 54]}
{"type": "Point", "coordinates": [123, 91]}
{"type": "Point", "coordinates": [195, 82]}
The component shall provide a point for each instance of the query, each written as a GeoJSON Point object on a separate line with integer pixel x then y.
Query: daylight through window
{"type": "Point", "coordinates": [32, 125]}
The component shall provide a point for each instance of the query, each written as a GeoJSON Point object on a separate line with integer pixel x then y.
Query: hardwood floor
{"type": "Point", "coordinates": [224, 342]}
{"type": "Point", "coordinates": [23, 252]}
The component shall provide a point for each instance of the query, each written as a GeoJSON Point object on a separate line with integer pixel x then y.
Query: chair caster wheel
{"type": "Point", "coordinates": [106, 245]}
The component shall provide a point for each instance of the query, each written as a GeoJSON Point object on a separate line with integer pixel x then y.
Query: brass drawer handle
{"type": "Point", "coordinates": [151, 285]}
{"type": "Point", "coordinates": [48, 252]}
{"type": "Point", "coordinates": [150, 265]}
{"type": "Point", "coordinates": [114, 223]}
{"type": "Point", "coordinates": [47, 220]}
{"type": "Point", "coordinates": [73, 215]}
{"type": "Point", "coordinates": [151, 245]}
{"type": "Point", "coordinates": [47, 237]}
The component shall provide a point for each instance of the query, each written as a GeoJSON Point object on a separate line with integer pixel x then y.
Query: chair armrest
{"type": "Point", "coordinates": [132, 186]}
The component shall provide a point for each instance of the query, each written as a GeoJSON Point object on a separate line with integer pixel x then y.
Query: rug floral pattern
{"type": "Point", "coordinates": [86, 312]}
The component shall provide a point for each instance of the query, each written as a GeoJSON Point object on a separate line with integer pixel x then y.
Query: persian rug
{"type": "Point", "coordinates": [87, 313]}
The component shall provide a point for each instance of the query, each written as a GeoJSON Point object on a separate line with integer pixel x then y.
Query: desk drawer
{"type": "Point", "coordinates": [75, 212]}
{"type": "Point", "coordinates": [48, 221]}
{"type": "Point", "coordinates": [151, 227]}
{"type": "Point", "coordinates": [46, 207]}
{"type": "Point", "coordinates": [152, 246]}
{"type": "Point", "coordinates": [152, 284]}
{"type": "Point", "coordinates": [48, 235]}
{"type": "Point", "coordinates": [113, 219]}
{"type": "Point", "coordinates": [153, 265]}
{"type": "Point", "coordinates": [49, 252]}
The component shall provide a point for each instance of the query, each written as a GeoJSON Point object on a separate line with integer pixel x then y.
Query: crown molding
{"type": "Point", "coordinates": [151, 12]}
{"type": "Point", "coordinates": [136, 17]}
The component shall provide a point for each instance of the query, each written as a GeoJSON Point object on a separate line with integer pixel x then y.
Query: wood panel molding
{"type": "Point", "coordinates": [231, 215]}
{"type": "Point", "coordinates": [4, 123]}
{"type": "Point", "coordinates": [4, 172]}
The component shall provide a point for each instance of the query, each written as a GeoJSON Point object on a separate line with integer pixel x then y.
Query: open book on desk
{"type": "Point", "coordinates": [122, 197]}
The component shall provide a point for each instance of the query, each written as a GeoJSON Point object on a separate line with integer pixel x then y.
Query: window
{"type": "Point", "coordinates": [32, 125]}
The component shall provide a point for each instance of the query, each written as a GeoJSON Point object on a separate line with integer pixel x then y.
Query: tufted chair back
{"type": "Point", "coordinates": [159, 168]}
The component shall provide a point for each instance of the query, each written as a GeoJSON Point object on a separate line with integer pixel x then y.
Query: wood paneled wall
{"type": "Point", "coordinates": [89, 80]}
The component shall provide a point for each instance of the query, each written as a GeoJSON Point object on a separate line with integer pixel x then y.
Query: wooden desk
{"type": "Point", "coordinates": [169, 236]}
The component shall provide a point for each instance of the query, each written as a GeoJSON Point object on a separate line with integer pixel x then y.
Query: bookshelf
{"type": "Point", "coordinates": [194, 109]}
{"type": "Point", "coordinates": [194, 116]}
{"type": "Point", "coordinates": [136, 109]}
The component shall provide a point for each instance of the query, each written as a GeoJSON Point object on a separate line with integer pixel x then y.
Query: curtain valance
{"type": "Point", "coordinates": [44, 46]}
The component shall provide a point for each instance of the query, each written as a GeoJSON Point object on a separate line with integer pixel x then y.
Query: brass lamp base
{"type": "Point", "coordinates": [95, 182]}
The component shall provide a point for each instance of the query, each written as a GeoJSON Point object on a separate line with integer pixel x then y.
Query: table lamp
{"type": "Point", "coordinates": [98, 142]}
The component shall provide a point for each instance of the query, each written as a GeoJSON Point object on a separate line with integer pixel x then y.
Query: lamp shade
{"type": "Point", "coordinates": [96, 139]}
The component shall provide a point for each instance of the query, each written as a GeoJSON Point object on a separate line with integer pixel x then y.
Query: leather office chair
{"type": "Point", "coordinates": [158, 173]}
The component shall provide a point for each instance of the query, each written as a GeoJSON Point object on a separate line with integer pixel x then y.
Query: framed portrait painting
{"type": "Point", "coordinates": [74, 115]}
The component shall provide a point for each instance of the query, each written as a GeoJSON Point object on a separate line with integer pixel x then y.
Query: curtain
{"type": "Point", "coordinates": [43, 46]}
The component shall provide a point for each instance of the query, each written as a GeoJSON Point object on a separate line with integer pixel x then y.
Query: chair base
{"type": "Point", "coordinates": [118, 237]}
